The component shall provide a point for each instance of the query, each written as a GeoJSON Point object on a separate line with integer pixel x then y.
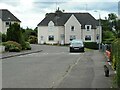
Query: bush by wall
{"type": "Point", "coordinates": [12, 46]}
{"type": "Point", "coordinates": [91, 45]}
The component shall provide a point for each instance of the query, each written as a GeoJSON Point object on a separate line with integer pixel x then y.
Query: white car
{"type": "Point", "coordinates": [76, 45]}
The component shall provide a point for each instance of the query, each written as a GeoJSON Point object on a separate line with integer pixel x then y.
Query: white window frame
{"type": "Point", "coordinates": [86, 27]}
{"type": "Point", "coordinates": [72, 28]}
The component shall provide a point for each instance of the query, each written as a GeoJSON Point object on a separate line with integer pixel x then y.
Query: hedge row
{"type": "Point", "coordinates": [13, 46]}
{"type": "Point", "coordinates": [115, 56]}
{"type": "Point", "coordinates": [91, 45]}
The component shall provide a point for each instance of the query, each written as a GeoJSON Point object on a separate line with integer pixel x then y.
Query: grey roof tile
{"type": "Point", "coordinates": [6, 14]}
{"type": "Point", "coordinates": [60, 20]}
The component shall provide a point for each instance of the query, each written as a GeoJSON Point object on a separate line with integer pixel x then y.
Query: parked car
{"type": "Point", "coordinates": [76, 45]}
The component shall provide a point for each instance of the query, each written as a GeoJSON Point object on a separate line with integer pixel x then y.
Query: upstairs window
{"type": "Point", "coordinates": [7, 24]}
{"type": "Point", "coordinates": [72, 28]}
{"type": "Point", "coordinates": [88, 27]}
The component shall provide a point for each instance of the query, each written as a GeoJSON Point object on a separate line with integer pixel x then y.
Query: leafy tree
{"type": "Point", "coordinates": [29, 32]}
{"type": "Point", "coordinates": [110, 27]}
{"type": "Point", "coordinates": [112, 16]}
{"type": "Point", "coordinates": [14, 33]}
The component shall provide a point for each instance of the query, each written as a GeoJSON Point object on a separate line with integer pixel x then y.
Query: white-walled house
{"type": "Point", "coordinates": [7, 18]}
{"type": "Point", "coordinates": [61, 27]}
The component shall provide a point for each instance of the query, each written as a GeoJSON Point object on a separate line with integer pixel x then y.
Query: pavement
{"type": "Point", "coordinates": [55, 67]}
{"type": "Point", "coordinates": [35, 49]}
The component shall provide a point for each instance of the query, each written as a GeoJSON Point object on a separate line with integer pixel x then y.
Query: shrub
{"type": "Point", "coordinates": [3, 37]}
{"type": "Point", "coordinates": [12, 46]}
{"type": "Point", "coordinates": [28, 47]}
{"type": "Point", "coordinates": [32, 39]}
{"type": "Point", "coordinates": [91, 45]}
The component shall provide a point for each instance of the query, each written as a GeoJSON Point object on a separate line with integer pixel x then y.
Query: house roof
{"type": "Point", "coordinates": [60, 18]}
{"type": "Point", "coordinates": [6, 15]}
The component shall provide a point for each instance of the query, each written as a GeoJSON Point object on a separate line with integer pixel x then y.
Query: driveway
{"type": "Point", "coordinates": [55, 67]}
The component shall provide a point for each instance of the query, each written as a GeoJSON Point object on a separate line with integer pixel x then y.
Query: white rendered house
{"type": "Point", "coordinates": [61, 27]}
{"type": "Point", "coordinates": [7, 18]}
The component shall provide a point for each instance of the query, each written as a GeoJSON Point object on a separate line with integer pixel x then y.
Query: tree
{"type": "Point", "coordinates": [112, 16]}
{"type": "Point", "coordinates": [14, 33]}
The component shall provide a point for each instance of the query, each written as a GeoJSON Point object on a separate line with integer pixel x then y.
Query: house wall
{"type": "Point", "coordinates": [72, 21]}
{"type": "Point", "coordinates": [44, 31]}
{"type": "Point", "coordinates": [91, 33]}
{"type": "Point", "coordinates": [61, 34]}
{"type": "Point", "coordinates": [3, 26]}
{"type": "Point", "coordinates": [55, 33]}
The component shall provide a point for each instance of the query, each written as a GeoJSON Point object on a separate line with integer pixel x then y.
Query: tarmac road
{"type": "Point", "coordinates": [55, 67]}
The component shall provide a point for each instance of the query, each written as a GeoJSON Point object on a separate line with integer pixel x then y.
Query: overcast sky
{"type": "Point", "coordinates": [31, 12]}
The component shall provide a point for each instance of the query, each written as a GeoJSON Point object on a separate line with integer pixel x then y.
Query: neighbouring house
{"type": "Point", "coordinates": [7, 18]}
{"type": "Point", "coordinates": [61, 27]}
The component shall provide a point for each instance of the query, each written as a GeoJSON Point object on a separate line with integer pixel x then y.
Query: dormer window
{"type": "Point", "coordinates": [72, 28]}
{"type": "Point", "coordinates": [88, 27]}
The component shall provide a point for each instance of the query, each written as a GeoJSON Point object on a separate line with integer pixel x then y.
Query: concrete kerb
{"type": "Point", "coordinates": [19, 54]}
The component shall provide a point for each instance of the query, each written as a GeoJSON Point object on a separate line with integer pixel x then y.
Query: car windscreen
{"type": "Point", "coordinates": [76, 44]}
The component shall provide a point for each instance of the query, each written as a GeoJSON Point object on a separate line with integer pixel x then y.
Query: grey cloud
{"type": "Point", "coordinates": [10, 2]}
{"type": "Point", "coordinates": [106, 6]}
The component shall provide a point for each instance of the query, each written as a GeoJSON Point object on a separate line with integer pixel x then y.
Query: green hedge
{"type": "Point", "coordinates": [91, 45]}
{"type": "Point", "coordinates": [116, 59]}
{"type": "Point", "coordinates": [12, 46]}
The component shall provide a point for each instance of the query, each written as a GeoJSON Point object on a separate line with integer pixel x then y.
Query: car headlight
{"type": "Point", "coordinates": [82, 45]}
{"type": "Point", "coordinates": [71, 46]}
